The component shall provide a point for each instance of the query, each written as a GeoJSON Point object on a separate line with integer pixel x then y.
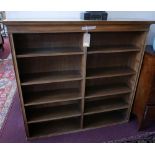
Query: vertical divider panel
{"type": "Point", "coordinates": [18, 82]}
{"type": "Point", "coordinates": [83, 84]}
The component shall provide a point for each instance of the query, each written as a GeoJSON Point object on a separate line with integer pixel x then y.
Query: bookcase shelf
{"type": "Point", "coordinates": [54, 127]}
{"type": "Point", "coordinates": [105, 118]}
{"type": "Point", "coordinates": [107, 87]}
{"type": "Point", "coordinates": [113, 49]}
{"type": "Point", "coordinates": [94, 73]}
{"type": "Point", "coordinates": [107, 91]}
{"type": "Point", "coordinates": [51, 96]}
{"type": "Point", "coordinates": [65, 87]}
{"type": "Point", "coordinates": [38, 52]}
{"type": "Point", "coordinates": [47, 44]}
{"type": "Point", "coordinates": [36, 114]}
{"type": "Point", "coordinates": [49, 77]}
{"type": "Point", "coordinates": [105, 105]}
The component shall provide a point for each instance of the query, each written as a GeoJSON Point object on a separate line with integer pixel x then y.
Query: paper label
{"type": "Point", "coordinates": [87, 28]}
{"type": "Point", "coordinates": [86, 40]}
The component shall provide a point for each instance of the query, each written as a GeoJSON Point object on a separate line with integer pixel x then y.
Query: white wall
{"type": "Point", "coordinates": [144, 15]}
{"type": "Point", "coordinates": [43, 14]}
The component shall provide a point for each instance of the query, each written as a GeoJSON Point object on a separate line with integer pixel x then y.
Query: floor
{"type": "Point", "coordinates": [7, 81]}
{"type": "Point", "coordinates": [7, 88]}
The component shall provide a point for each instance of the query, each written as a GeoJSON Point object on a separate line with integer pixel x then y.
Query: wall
{"type": "Point", "coordinates": [44, 14]}
{"type": "Point", "coordinates": [149, 15]}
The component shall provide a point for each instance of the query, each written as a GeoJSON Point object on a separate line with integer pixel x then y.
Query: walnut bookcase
{"type": "Point", "coordinates": [65, 87]}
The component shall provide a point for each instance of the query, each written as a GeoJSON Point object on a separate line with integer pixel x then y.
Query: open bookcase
{"type": "Point", "coordinates": [65, 87]}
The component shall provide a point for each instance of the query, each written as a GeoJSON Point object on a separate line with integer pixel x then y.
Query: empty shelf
{"type": "Point", "coordinates": [113, 49]}
{"type": "Point", "coordinates": [48, 77]}
{"type": "Point", "coordinates": [109, 72]}
{"type": "Point", "coordinates": [35, 98]}
{"type": "Point", "coordinates": [54, 127]}
{"type": "Point", "coordinates": [105, 105]}
{"type": "Point", "coordinates": [107, 90]}
{"type": "Point", "coordinates": [105, 119]}
{"type": "Point", "coordinates": [36, 52]}
{"type": "Point", "coordinates": [47, 113]}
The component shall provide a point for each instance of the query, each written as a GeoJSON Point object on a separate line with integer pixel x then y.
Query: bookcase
{"type": "Point", "coordinates": [65, 87]}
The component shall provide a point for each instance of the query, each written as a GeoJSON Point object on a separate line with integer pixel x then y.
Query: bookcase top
{"type": "Point", "coordinates": [76, 21]}
{"type": "Point", "coordinates": [53, 26]}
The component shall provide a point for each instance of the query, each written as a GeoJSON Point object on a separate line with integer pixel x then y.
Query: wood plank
{"type": "Point", "coordinates": [137, 66]}
{"type": "Point", "coordinates": [63, 22]}
{"type": "Point", "coordinates": [107, 91]}
{"type": "Point", "coordinates": [18, 83]}
{"type": "Point", "coordinates": [51, 96]}
{"type": "Point", "coordinates": [99, 106]}
{"type": "Point", "coordinates": [49, 77]}
{"type": "Point", "coordinates": [83, 83]}
{"type": "Point", "coordinates": [61, 103]}
{"type": "Point", "coordinates": [54, 127]}
{"type": "Point", "coordinates": [94, 73]}
{"type": "Point", "coordinates": [113, 49]}
{"type": "Point", "coordinates": [57, 51]}
{"type": "Point", "coordinates": [106, 118]}
{"type": "Point", "coordinates": [48, 113]}
{"type": "Point", "coordinates": [75, 130]}
{"type": "Point", "coordinates": [107, 123]}
{"type": "Point", "coordinates": [76, 26]}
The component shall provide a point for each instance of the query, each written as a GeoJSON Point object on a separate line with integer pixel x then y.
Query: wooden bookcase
{"type": "Point", "coordinates": [65, 87]}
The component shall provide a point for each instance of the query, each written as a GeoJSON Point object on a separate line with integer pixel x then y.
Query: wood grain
{"type": "Point", "coordinates": [55, 73]}
{"type": "Point", "coordinates": [49, 77]}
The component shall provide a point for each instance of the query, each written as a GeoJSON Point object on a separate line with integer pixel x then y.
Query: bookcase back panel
{"type": "Point", "coordinates": [106, 99]}
{"type": "Point", "coordinates": [48, 112]}
{"type": "Point", "coordinates": [99, 39]}
{"type": "Point", "coordinates": [46, 41]}
{"type": "Point", "coordinates": [52, 86]}
{"type": "Point", "coordinates": [54, 127]}
{"type": "Point", "coordinates": [105, 118]}
{"type": "Point", "coordinates": [105, 82]}
{"type": "Point", "coordinates": [51, 93]}
{"type": "Point", "coordinates": [49, 64]}
{"type": "Point", "coordinates": [104, 60]}
{"type": "Point", "coordinates": [102, 104]}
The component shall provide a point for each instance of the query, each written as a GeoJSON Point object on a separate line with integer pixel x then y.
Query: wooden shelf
{"type": "Point", "coordinates": [113, 49]}
{"type": "Point", "coordinates": [105, 105]}
{"type": "Point", "coordinates": [94, 73]}
{"type": "Point", "coordinates": [37, 52]}
{"type": "Point", "coordinates": [51, 96]}
{"type": "Point", "coordinates": [54, 127]}
{"type": "Point", "coordinates": [48, 113]}
{"type": "Point", "coordinates": [107, 91]}
{"type": "Point", "coordinates": [104, 119]}
{"type": "Point", "coordinates": [49, 77]}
